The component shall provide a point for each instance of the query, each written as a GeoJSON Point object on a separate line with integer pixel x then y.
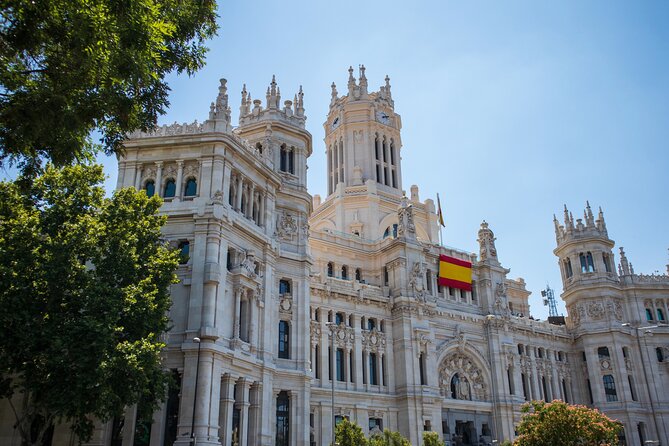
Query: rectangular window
{"type": "Point", "coordinates": [632, 389]}
{"type": "Point", "coordinates": [375, 425]}
{"type": "Point", "coordinates": [371, 324]}
{"type": "Point", "coordinates": [610, 388]}
{"type": "Point", "coordinates": [282, 419]}
{"type": "Point", "coordinates": [373, 375]}
{"type": "Point", "coordinates": [351, 370]}
{"type": "Point", "coordinates": [364, 368]}
{"type": "Point", "coordinates": [587, 381]}
{"type": "Point", "coordinates": [284, 340]}
{"type": "Point", "coordinates": [522, 378]}
{"type": "Point", "coordinates": [421, 366]}
{"type": "Point", "coordinates": [340, 364]}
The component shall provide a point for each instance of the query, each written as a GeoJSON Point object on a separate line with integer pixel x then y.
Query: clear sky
{"type": "Point", "coordinates": [510, 109]}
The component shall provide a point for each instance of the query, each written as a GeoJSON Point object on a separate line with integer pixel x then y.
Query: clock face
{"type": "Point", "coordinates": [335, 123]}
{"type": "Point", "coordinates": [383, 117]}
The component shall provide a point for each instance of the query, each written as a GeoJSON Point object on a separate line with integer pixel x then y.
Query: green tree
{"type": "Point", "coordinates": [388, 438]}
{"type": "Point", "coordinates": [68, 67]}
{"type": "Point", "coordinates": [548, 424]}
{"type": "Point", "coordinates": [431, 439]}
{"type": "Point", "coordinates": [84, 298]}
{"type": "Point", "coordinates": [349, 434]}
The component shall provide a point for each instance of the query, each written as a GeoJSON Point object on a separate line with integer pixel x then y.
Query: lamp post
{"type": "Point", "coordinates": [332, 326]}
{"type": "Point", "coordinates": [645, 376]}
{"type": "Point", "coordinates": [193, 439]}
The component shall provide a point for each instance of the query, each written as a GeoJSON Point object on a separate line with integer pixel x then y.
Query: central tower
{"type": "Point", "coordinates": [362, 137]}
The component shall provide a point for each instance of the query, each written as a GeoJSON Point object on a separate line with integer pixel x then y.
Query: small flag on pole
{"type": "Point", "coordinates": [440, 216]}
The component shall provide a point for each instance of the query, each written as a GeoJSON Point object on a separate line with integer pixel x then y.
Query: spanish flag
{"type": "Point", "coordinates": [440, 216]}
{"type": "Point", "coordinates": [455, 273]}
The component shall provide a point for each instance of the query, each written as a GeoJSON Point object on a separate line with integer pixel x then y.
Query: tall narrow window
{"type": "Point", "coordinates": [523, 380]}
{"type": "Point", "coordinates": [339, 318]}
{"type": "Point", "coordinates": [385, 275]}
{"type": "Point", "coordinates": [649, 314]}
{"type": "Point", "coordinates": [428, 279]}
{"type": "Point", "coordinates": [150, 188]}
{"type": "Point", "coordinates": [284, 286]}
{"type": "Point", "coordinates": [564, 391]}
{"type": "Point", "coordinates": [184, 252]}
{"type": "Point", "coordinates": [584, 265]}
{"type": "Point", "coordinates": [191, 188]}
{"type": "Point", "coordinates": [587, 382]}
{"type": "Point", "coordinates": [607, 262]}
{"type": "Point", "coordinates": [373, 372]}
{"type": "Point", "coordinates": [660, 354]}
{"type": "Point", "coordinates": [170, 189]}
{"type": "Point", "coordinates": [421, 367]}
{"type": "Point", "coordinates": [660, 315]}
{"type": "Point", "coordinates": [567, 268]}
{"type": "Point", "coordinates": [344, 272]}
{"type": "Point", "coordinates": [544, 388]}
{"type": "Point", "coordinates": [283, 161]}
{"type": "Point", "coordinates": [317, 360]}
{"type": "Point", "coordinates": [291, 161]}
{"type": "Point", "coordinates": [340, 364]}
{"type": "Point", "coordinates": [330, 269]}
{"type": "Point", "coordinates": [282, 419]}
{"type": "Point", "coordinates": [610, 388]}
{"type": "Point", "coordinates": [371, 324]}
{"type": "Point", "coordinates": [509, 376]}
{"type": "Point", "coordinates": [358, 274]}
{"type": "Point", "coordinates": [591, 263]}
{"type": "Point", "coordinates": [630, 380]}
{"type": "Point", "coordinates": [284, 340]}
{"type": "Point", "coordinates": [351, 370]}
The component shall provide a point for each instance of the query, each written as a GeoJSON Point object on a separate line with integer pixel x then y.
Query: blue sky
{"type": "Point", "coordinates": [510, 109]}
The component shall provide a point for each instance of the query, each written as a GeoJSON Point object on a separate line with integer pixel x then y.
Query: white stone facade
{"type": "Point", "coordinates": [271, 273]}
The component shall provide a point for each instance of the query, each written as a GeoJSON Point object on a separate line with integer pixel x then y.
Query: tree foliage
{"type": "Point", "coordinates": [388, 438]}
{"type": "Point", "coordinates": [349, 434]}
{"type": "Point", "coordinates": [548, 424]}
{"type": "Point", "coordinates": [431, 439]}
{"type": "Point", "coordinates": [83, 299]}
{"type": "Point", "coordinates": [68, 67]}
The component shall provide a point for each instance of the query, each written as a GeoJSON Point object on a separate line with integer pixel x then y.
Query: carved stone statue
{"type": "Point", "coordinates": [486, 241]}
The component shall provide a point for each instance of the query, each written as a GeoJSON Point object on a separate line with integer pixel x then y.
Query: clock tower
{"type": "Point", "coordinates": [362, 137]}
{"type": "Point", "coordinates": [364, 169]}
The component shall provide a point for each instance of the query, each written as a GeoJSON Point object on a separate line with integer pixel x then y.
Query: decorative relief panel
{"type": "Point", "coordinates": [471, 384]}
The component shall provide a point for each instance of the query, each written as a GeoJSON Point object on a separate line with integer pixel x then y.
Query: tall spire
{"type": "Point", "coordinates": [624, 267]}
{"type": "Point", "coordinates": [333, 95]}
{"type": "Point", "coordinates": [363, 81]}
{"type": "Point", "coordinates": [244, 107]}
{"type": "Point", "coordinates": [589, 218]}
{"type": "Point", "coordinates": [219, 112]}
{"type": "Point", "coordinates": [351, 81]}
{"type": "Point", "coordinates": [601, 224]}
{"type": "Point", "coordinates": [300, 102]}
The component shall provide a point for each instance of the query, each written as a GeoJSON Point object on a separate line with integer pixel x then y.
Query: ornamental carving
{"type": "Point", "coordinates": [344, 336]}
{"type": "Point", "coordinates": [574, 312]}
{"type": "Point", "coordinates": [595, 310]}
{"type": "Point", "coordinates": [170, 130]}
{"type": "Point", "coordinates": [191, 170]}
{"type": "Point", "coordinates": [417, 280]}
{"type": "Point", "coordinates": [486, 241]}
{"type": "Point", "coordinates": [286, 304]}
{"type": "Point", "coordinates": [615, 309]}
{"type": "Point", "coordinates": [218, 197]}
{"type": "Point", "coordinates": [149, 173]}
{"type": "Point", "coordinates": [286, 227]}
{"type": "Point", "coordinates": [315, 332]}
{"type": "Point", "coordinates": [469, 383]}
{"type": "Point", "coordinates": [170, 171]}
{"type": "Point", "coordinates": [405, 221]}
{"type": "Point", "coordinates": [373, 340]}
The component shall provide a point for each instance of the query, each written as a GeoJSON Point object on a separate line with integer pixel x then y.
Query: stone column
{"type": "Point", "coordinates": [227, 180]}
{"type": "Point", "coordinates": [255, 398]}
{"type": "Point", "coordinates": [180, 174]}
{"type": "Point", "coordinates": [251, 201]}
{"type": "Point", "coordinates": [211, 277]}
{"type": "Point", "coordinates": [138, 177]}
{"type": "Point", "coordinates": [357, 348]}
{"type": "Point", "coordinates": [238, 303]}
{"type": "Point", "coordinates": [594, 375]}
{"type": "Point", "coordinates": [243, 405]}
{"type": "Point", "coordinates": [159, 178]}
{"type": "Point", "coordinates": [217, 173]}
{"type": "Point", "coordinates": [261, 213]}
{"type": "Point", "coordinates": [240, 184]}
{"type": "Point", "coordinates": [227, 402]}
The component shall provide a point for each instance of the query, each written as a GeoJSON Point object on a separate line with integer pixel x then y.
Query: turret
{"type": "Point", "coordinates": [584, 248]}
{"type": "Point", "coordinates": [292, 112]}
{"type": "Point", "coordinates": [219, 111]}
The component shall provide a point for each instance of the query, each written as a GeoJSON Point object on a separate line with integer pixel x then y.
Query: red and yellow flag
{"type": "Point", "coordinates": [455, 273]}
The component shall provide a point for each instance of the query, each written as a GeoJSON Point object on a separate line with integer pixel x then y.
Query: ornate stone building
{"type": "Point", "coordinates": [287, 303]}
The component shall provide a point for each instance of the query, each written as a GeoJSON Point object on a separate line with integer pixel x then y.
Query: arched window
{"type": "Point", "coordinates": [610, 388]}
{"type": "Point", "coordinates": [150, 188]}
{"type": "Point", "coordinates": [660, 354]}
{"type": "Point", "coordinates": [330, 269]}
{"type": "Point", "coordinates": [391, 231]}
{"type": "Point", "coordinates": [284, 286]}
{"type": "Point", "coordinates": [282, 419]}
{"type": "Point", "coordinates": [344, 272]}
{"type": "Point", "coordinates": [590, 262]}
{"type": "Point", "coordinates": [660, 315]}
{"type": "Point", "coordinates": [649, 314]}
{"type": "Point", "coordinates": [567, 268]}
{"type": "Point", "coordinates": [184, 252]}
{"type": "Point", "coordinates": [191, 188]}
{"type": "Point", "coordinates": [170, 189]}
{"type": "Point", "coordinates": [287, 159]}
{"type": "Point", "coordinates": [259, 147]}
{"type": "Point", "coordinates": [358, 274]}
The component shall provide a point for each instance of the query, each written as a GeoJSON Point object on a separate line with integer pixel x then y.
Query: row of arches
{"type": "Point", "coordinates": [169, 188]}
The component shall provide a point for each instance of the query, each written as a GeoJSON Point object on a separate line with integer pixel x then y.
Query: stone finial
{"type": "Point", "coordinates": [300, 102]}
{"type": "Point", "coordinates": [351, 81]}
{"type": "Point", "coordinates": [624, 266]}
{"type": "Point", "coordinates": [486, 239]}
{"type": "Point", "coordinates": [363, 80]}
{"type": "Point", "coordinates": [589, 218]}
{"type": "Point", "coordinates": [405, 221]}
{"type": "Point", "coordinates": [600, 223]}
{"type": "Point", "coordinates": [244, 107]}
{"type": "Point", "coordinates": [333, 95]}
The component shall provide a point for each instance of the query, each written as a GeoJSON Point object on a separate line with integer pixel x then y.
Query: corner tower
{"type": "Point", "coordinates": [362, 137]}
